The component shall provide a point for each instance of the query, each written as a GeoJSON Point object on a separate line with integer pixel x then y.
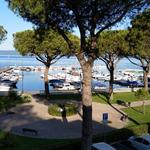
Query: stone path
{"type": "Point", "coordinates": [35, 115]}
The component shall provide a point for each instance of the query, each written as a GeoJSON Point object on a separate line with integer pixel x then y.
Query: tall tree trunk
{"type": "Point", "coordinates": [46, 81]}
{"type": "Point", "coordinates": [87, 107]}
{"type": "Point", "coordinates": [111, 81]}
{"type": "Point", "coordinates": [145, 78]}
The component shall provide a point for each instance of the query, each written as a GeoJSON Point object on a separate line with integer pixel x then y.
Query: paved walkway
{"type": "Point", "coordinates": [133, 104]}
{"type": "Point", "coordinates": [35, 115]}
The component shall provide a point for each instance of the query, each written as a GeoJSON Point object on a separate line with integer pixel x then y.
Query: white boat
{"type": "Point", "coordinates": [4, 90]}
{"type": "Point", "coordinates": [101, 76]}
{"type": "Point", "coordinates": [8, 82]}
{"type": "Point", "coordinates": [4, 87]}
{"type": "Point", "coordinates": [50, 77]}
{"type": "Point", "coordinates": [98, 86]}
{"type": "Point", "coordinates": [72, 78]}
{"type": "Point", "coordinates": [67, 86]}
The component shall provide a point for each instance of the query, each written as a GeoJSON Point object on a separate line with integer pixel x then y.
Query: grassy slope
{"type": "Point", "coordinates": [125, 96]}
{"type": "Point", "coordinates": [136, 113]}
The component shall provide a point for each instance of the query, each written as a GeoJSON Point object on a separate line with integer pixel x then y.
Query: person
{"type": "Point", "coordinates": [129, 104]}
{"type": "Point", "coordinates": [63, 113]}
{"type": "Point", "coordinates": [124, 117]}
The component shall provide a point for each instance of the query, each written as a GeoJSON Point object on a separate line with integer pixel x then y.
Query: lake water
{"type": "Point", "coordinates": [32, 80]}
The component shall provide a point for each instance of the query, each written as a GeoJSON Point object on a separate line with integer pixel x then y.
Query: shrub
{"type": "Point", "coordinates": [12, 95]}
{"type": "Point", "coordinates": [56, 109]}
{"type": "Point", "coordinates": [7, 102]}
{"type": "Point", "coordinates": [2, 105]}
{"type": "Point", "coordinates": [26, 98]}
{"type": "Point", "coordinates": [7, 141]}
{"type": "Point", "coordinates": [141, 94]}
{"type": "Point", "coordinates": [121, 102]}
{"type": "Point", "coordinates": [71, 109]}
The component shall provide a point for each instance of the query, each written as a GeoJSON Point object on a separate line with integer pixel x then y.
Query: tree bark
{"type": "Point", "coordinates": [46, 81]}
{"type": "Point", "coordinates": [111, 81]}
{"type": "Point", "coordinates": [145, 78]}
{"type": "Point", "coordinates": [87, 107]}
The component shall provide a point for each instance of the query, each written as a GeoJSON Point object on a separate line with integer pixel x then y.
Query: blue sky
{"type": "Point", "coordinates": [12, 24]}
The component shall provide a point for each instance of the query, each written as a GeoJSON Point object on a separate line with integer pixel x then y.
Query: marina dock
{"type": "Point", "coordinates": [5, 69]}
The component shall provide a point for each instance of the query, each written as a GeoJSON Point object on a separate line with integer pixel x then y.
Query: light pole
{"type": "Point", "coordinates": [22, 82]}
{"type": "Point", "coordinates": [22, 76]}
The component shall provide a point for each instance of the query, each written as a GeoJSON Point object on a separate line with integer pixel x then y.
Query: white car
{"type": "Point", "coordinates": [102, 146]}
{"type": "Point", "coordinates": [67, 86]}
{"type": "Point", "coordinates": [140, 142]}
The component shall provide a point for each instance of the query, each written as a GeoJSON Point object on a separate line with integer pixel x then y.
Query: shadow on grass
{"type": "Point", "coordinates": [104, 96]}
{"type": "Point", "coordinates": [139, 111]}
{"type": "Point", "coordinates": [131, 119]}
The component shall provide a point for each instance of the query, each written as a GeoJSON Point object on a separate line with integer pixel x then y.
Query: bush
{"type": "Point", "coordinates": [141, 94]}
{"type": "Point", "coordinates": [57, 109]}
{"type": "Point", "coordinates": [7, 141]}
{"type": "Point", "coordinates": [121, 102]}
{"type": "Point", "coordinates": [26, 98]}
{"type": "Point", "coordinates": [12, 95]}
{"type": "Point", "coordinates": [71, 109]}
{"type": "Point", "coordinates": [54, 110]}
{"type": "Point", "coordinates": [7, 102]}
{"type": "Point", "coordinates": [2, 105]}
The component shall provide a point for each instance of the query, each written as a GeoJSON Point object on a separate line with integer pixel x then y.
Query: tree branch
{"type": "Point", "coordinates": [111, 23]}
{"type": "Point", "coordinates": [40, 59]}
{"type": "Point", "coordinates": [56, 59]}
{"type": "Point", "coordinates": [134, 62]}
{"type": "Point", "coordinates": [117, 60]}
{"type": "Point", "coordinates": [106, 62]}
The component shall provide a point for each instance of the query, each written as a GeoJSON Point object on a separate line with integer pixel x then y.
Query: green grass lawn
{"type": "Point", "coordinates": [12, 142]}
{"type": "Point", "coordinates": [125, 96]}
{"type": "Point", "coordinates": [136, 113]}
{"type": "Point", "coordinates": [100, 98]}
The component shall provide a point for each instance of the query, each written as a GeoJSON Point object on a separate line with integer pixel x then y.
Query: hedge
{"type": "Point", "coordinates": [57, 109]}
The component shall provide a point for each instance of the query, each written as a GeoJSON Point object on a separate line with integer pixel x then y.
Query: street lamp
{"type": "Point", "coordinates": [22, 82]}
{"type": "Point", "coordinates": [22, 76]}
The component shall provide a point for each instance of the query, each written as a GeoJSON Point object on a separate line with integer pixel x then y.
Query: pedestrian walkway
{"type": "Point", "coordinates": [133, 104]}
{"type": "Point", "coordinates": [35, 116]}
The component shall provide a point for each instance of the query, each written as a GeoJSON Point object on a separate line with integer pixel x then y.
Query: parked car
{"type": "Point", "coordinates": [135, 84]}
{"type": "Point", "coordinates": [77, 85]}
{"type": "Point", "coordinates": [66, 86]}
{"type": "Point", "coordinates": [56, 83]}
{"type": "Point", "coordinates": [124, 145]}
{"type": "Point", "coordinates": [102, 146]}
{"type": "Point", "coordinates": [140, 142]}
